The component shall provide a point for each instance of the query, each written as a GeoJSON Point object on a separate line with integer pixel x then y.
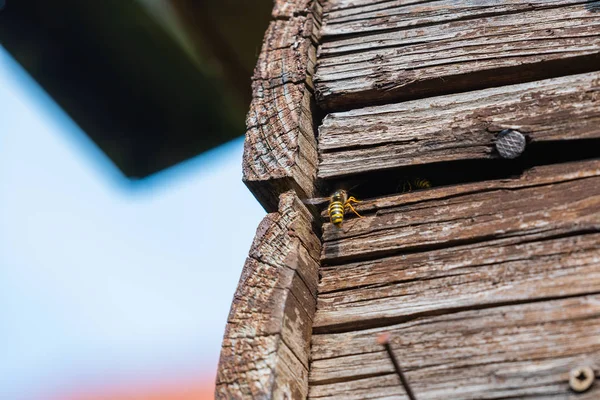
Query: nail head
{"type": "Point", "coordinates": [510, 143]}
{"type": "Point", "coordinates": [383, 338]}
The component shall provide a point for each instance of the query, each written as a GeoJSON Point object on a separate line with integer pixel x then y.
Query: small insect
{"type": "Point", "coordinates": [339, 204]}
{"type": "Point", "coordinates": [408, 185]}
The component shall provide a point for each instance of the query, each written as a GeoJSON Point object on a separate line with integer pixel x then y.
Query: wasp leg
{"type": "Point", "coordinates": [406, 187]}
{"type": "Point", "coordinates": [349, 205]}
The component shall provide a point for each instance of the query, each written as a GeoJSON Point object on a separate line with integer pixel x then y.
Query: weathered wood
{"type": "Point", "coordinates": [349, 17]}
{"type": "Point", "coordinates": [284, 9]}
{"type": "Point", "coordinates": [266, 347]}
{"type": "Point", "coordinates": [490, 290]}
{"type": "Point", "coordinates": [458, 127]}
{"type": "Point", "coordinates": [441, 47]}
{"type": "Point", "coordinates": [546, 201]}
{"type": "Point", "coordinates": [509, 351]}
{"type": "Point", "coordinates": [384, 291]}
{"type": "Point", "coordinates": [280, 148]}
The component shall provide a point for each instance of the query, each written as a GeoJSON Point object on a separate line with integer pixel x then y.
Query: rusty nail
{"type": "Point", "coordinates": [384, 340]}
{"type": "Point", "coordinates": [581, 379]}
{"type": "Point", "coordinates": [510, 143]}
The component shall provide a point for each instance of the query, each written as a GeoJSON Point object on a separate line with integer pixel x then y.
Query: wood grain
{"type": "Point", "coordinates": [490, 290]}
{"type": "Point", "coordinates": [265, 351]}
{"type": "Point", "coordinates": [285, 9]}
{"type": "Point", "coordinates": [347, 17]}
{"type": "Point", "coordinates": [458, 127]}
{"type": "Point", "coordinates": [510, 351]}
{"type": "Point", "coordinates": [442, 47]}
{"type": "Point", "coordinates": [544, 202]}
{"type": "Point", "coordinates": [280, 150]}
{"type": "Point", "coordinates": [388, 290]}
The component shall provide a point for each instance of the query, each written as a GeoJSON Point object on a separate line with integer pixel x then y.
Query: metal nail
{"type": "Point", "coordinates": [384, 340]}
{"type": "Point", "coordinates": [510, 143]}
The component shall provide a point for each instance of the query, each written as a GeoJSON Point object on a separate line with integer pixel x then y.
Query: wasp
{"type": "Point", "coordinates": [415, 183]}
{"type": "Point", "coordinates": [339, 204]}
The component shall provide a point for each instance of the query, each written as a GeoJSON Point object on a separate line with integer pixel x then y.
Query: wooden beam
{"type": "Point", "coordinates": [458, 127]}
{"type": "Point", "coordinates": [346, 17]}
{"type": "Point", "coordinates": [511, 351]}
{"type": "Point", "coordinates": [546, 201]}
{"type": "Point", "coordinates": [489, 290]}
{"type": "Point", "coordinates": [280, 148]}
{"type": "Point", "coordinates": [265, 351]}
{"type": "Point", "coordinates": [390, 51]}
{"type": "Point", "coordinates": [361, 295]}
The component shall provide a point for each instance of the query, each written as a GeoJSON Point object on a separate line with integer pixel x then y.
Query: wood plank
{"type": "Point", "coordinates": [458, 127]}
{"type": "Point", "coordinates": [347, 17]}
{"type": "Point", "coordinates": [485, 44]}
{"type": "Point", "coordinates": [546, 201]}
{"type": "Point", "coordinates": [501, 305]}
{"type": "Point", "coordinates": [265, 352]}
{"type": "Point", "coordinates": [280, 148]}
{"type": "Point", "coordinates": [511, 351]}
{"type": "Point", "coordinates": [383, 291]}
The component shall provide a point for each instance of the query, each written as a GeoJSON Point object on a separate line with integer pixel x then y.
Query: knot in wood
{"type": "Point", "coordinates": [581, 379]}
{"type": "Point", "coordinates": [510, 143]}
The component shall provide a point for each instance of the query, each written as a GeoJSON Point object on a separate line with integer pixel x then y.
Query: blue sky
{"type": "Point", "coordinates": [103, 279]}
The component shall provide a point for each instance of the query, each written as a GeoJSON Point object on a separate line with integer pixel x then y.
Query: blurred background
{"type": "Point", "coordinates": [124, 224]}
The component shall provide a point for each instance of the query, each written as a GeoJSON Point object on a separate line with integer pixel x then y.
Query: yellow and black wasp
{"type": "Point", "coordinates": [339, 204]}
{"type": "Point", "coordinates": [408, 185]}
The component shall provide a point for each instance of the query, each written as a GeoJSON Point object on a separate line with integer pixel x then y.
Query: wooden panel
{"type": "Point", "coordinates": [544, 202]}
{"type": "Point", "coordinates": [346, 17]}
{"type": "Point", "coordinates": [280, 148]}
{"type": "Point", "coordinates": [458, 127]}
{"type": "Point", "coordinates": [384, 291]}
{"type": "Point", "coordinates": [440, 47]}
{"type": "Point", "coordinates": [490, 290]}
{"type": "Point", "coordinates": [510, 351]}
{"type": "Point", "coordinates": [266, 347]}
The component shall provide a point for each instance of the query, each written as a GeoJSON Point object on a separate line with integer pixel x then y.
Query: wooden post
{"type": "Point", "coordinates": [489, 281]}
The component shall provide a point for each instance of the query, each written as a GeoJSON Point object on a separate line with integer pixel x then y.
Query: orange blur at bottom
{"type": "Point", "coordinates": [181, 391]}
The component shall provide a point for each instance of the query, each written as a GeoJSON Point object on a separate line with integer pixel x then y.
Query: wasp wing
{"type": "Point", "coordinates": [315, 201]}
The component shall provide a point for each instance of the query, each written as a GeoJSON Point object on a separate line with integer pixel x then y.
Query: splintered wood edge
{"type": "Point", "coordinates": [280, 150]}
{"type": "Point", "coordinates": [266, 346]}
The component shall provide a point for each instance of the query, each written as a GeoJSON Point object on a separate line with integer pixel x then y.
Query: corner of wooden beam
{"type": "Point", "coordinates": [266, 346]}
{"type": "Point", "coordinates": [280, 151]}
